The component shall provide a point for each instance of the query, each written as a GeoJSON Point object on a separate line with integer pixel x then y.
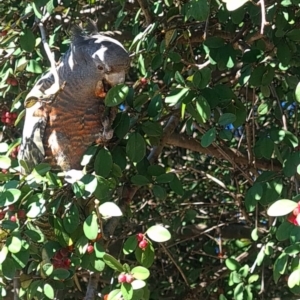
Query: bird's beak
{"type": "Point", "coordinates": [115, 78]}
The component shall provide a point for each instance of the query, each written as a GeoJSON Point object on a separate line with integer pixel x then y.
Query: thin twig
{"type": "Point", "coordinates": [263, 16]}
{"type": "Point", "coordinates": [176, 265]}
{"type": "Point", "coordinates": [198, 66]}
{"type": "Point", "coordinates": [55, 87]}
{"type": "Point", "coordinates": [274, 93]}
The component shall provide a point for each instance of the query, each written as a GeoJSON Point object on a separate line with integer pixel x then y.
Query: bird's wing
{"type": "Point", "coordinates": [36, 116]}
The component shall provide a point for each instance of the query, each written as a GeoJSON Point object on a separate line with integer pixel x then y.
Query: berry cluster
{"type": "Point", "coordinates": [8, 118]}
{"type": "Point", "coordinates": [294, 217]}
{"type": "Point", "coordinates": [61, 259]}
{"type": "Point", "coordinates": [143, 242]}
{"type": "Point", "coordinates": [123, 277]}
{"type": "Point", "coordinates": [12, 81]}
{"type": "Point", "coordinates": [12, 213]}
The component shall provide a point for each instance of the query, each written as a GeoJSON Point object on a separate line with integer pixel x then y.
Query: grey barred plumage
{"type": "Point", "coordinates": [59, 128]}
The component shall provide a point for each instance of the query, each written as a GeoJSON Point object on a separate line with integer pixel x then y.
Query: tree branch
{"type": "Point", "coordinates": [92, 286]}
{"type": "Point", "coordinates": [144, 7]}
{"type": "Point", "coordinates": [183, 141]}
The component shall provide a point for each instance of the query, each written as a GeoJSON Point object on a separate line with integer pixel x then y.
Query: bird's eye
{"type": "Point", "coordinates": [100, 68]}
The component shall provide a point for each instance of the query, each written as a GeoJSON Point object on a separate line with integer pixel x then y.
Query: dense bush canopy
{"type": "Point", "coordinates": [195, 197]}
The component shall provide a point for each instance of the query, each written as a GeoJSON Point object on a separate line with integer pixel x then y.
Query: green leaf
{"type": "Point", "coordinates": [130, 245]}
{"type": "Point", "coordinates": [152, 128]}
{"type": "Point", "coordinates": [203, 109]}
{"type": "Point", "coordinates": [157, 61]}
{"type": "Point", "coordinates": [138, 284]}
{"type": "Point", "coordinates": [263, 108]}
{"type": "Point", "coordinates": [140, 273]}
{"type": "Point", "coordinates": [178, 77]}
{"type": "Point", "coordinates": [232, 5]}
{"type": "Point", "coordinates": [27, 40]}
{"type": "Point", "coordinates": [226, 119]}
{"type": "Point", "coordinates": [290, 139]}
{"type": "Point", "coordinates": [159, 192]}
{"type": "Point", "coordinates": [297, 93]}
{"type": "Point", "coordinates": [71, 219]}
{"type": "Point", "coordinates": [8, 268]}
{"type": "Point", "coordinates": [9, 197]}
{"type": "Point", "coordinates": [90, 227]}
{"type": "Point", "coordinates": [116, 95]}
{"type": "Point", "coordinates": [127, 291]}
{"type": "Point", "coordinates": [48, 291]}
{"type": "Point", "coordinates": [103, 163]}
{"type": "Point", "coordinates": [34, 66]}
{"type": "Point", "coordinates": [198, 9]}
{"type": "Point", "coordinates": [3, 254]}
{"type": "Point", "coordinates": [115, 295]}
{"type": "Point", "coordinates": [136, 147]}
{"type": "Point", "coordinates": [165, 178]}
{"type": "Point", "coordinates": [60, 274]}
{"type": "Point", "coordinates": [294, 278]}
{"type": "Point", "coordinates": [176, 96]}
{"type": "Point", "coordinates": [208, 138]}
{"type": "Point", "coordinates": [232, 264]}
{"type": "Point", "coordinates": [284, 231]}
{"type": "Point", "coordinates": [280, 266]}
{"type": "Point", "coordinates": [112, 263]}
{"type": "Point", "coordinates": [14, 244]}
{"type": "Point", "coordinates": [281, 208]}
{"type": "Point", "coordinates": [140, 180]}
{"type": "Point", "coordinates": [294, 35]}
{"type": "Point", "coordinates": [176, 186]}
{"type": "Point", "coordinates": [110, 209]}
{"type": "Point", "coordinates": [158, 233]}
{"type": "Point", "coordinates": [5, 162]}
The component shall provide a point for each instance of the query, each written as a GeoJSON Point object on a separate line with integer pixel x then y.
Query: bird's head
{"type": "Point", "coordinates": [100, 58]}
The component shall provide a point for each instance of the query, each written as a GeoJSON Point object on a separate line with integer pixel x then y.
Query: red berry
{"type": "Point", "coordinates": [3, 33]}
{"type": "Point", "coordinates": [21, 214]}
{"type": "Point", "coordinates": [296, 211]}
{"type": "Point", "coordinates": [3, 119]}
{"type": "Point", "coordinates": [66, 263]}
{"type": "Point", "coordinates": [90, 249]}
{"type": "Point", "coordinates": [13, 218]}
{"type": "Point", "coordinates": [2, 214]}
{"type": "Point", "coordinates": [7, 114]}
{"type": "Point", "coordinates": [11, 207]}
{"type": "Point", "coordinates": [8, 121]}
{"type": "Point", "coordinates": [64, 252]}
{"type": "Point", "coordinates": [122, 278]}
{"type": "Point", "coordinates": [14, 82]}
{"type": "Point", "coordinates": [143, 244]}
{"type": "Point", "coordinates": [144, 80]}
{"type": "Point", "coordinates": [129, 278]}
{"type": "Point", "coordinates": [292, 219]}
{"type": "Point", "coordinates": [139, 237]}
{"type": "Point", "coordinates": [14, 115]}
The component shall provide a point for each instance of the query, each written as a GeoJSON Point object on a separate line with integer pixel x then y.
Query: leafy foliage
{"type": "Point", "coordinates": [200, 185]}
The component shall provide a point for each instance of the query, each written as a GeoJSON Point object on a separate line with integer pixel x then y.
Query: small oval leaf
{"type": "Point", "coordinates": [158, 233]}
{"type": "Point", "coordinates": [281, 208]}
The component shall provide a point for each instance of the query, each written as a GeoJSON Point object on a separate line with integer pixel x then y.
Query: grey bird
{"type": "Point", "coordinates": [60, 127]}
